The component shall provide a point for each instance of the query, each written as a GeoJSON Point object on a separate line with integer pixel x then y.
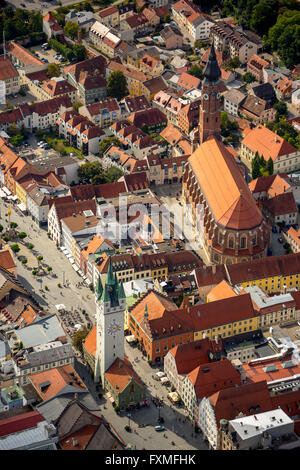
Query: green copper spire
{"type": "Point", "coordinates": [121, 292]}
{"type": "Point", "coordinates": [110, 276]}
{"type": "Point", "coordinates": [99, 288]}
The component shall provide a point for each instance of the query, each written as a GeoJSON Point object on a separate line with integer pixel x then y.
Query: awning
{"type": "Point", "coordinates": [60, 307]}
{"type": "Point", "coordinates": [22, 207]}
{"type": "Point", "coordinates": [71, 260]}
{"type": "Point", "coordinates": [111, 400]}
{"type": "Point", "coordinates": [6, 190]}
{"type": "Point", "coordinates": [2, 194]}
{"type": "Point", "coordinates": [130, 339]}
{"type": "Point", "coordinates": [164, 380]}
{"type": "Point", "coordinates": [160, 374]}
{"type": "Point", "coordinates": [75, 267]}
{"type": "Point", "coordinates": [14, 198]}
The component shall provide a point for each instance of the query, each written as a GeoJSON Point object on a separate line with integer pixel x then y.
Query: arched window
{"type": "Point", "coordinates": [243, 242]}
{"type": "Point", "coordinates": [231, 242]}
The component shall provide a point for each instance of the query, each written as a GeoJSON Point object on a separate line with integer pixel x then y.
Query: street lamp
{"type": "Point", "coordinates": [129, 416]}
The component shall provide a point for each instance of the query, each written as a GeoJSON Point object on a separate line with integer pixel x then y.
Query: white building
{"type": "Point", "coordinates": [110, 308]}
{"type": "Point", "coordinates": [232, 101]}
{"type": "Point", "coordinates": [259, 431]}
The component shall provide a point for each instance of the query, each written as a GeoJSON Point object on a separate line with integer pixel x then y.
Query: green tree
{"type": "Point", "coordinates": [80, 52]}
{"type": "Point", "coordinates": [262, 161]}
{"type": "Point", "coordinates": [13, 130]}
{"type": "Point", "coordinates": [1, 228]}
{"type": "Point", "coordinates": [248, 77]}
{"type": "Point", "coordinates": [235, 63]}
{"type": "Point", "coordinates": [263, 16]}
{"type": "Point", "coordinates": [88, 171]}
{"type": "Point", "coordinates": [107, 142]}
{"type": "Point", "coordinates": [15, 247]}
{"type": "Point", "coordinates": [112, 174]}
{"type": "Point", "coordinates": [13, 224]}
{"type": "Point", "coordinates": [22, 235]}
{"type": "Point", "coordinates": [256, 166]}
{"type": "Point", "coordinates": [17, 140]}
{"type": "Point", "coordinates": [53, 70]}
{"type": "Point", "coordinates": [77, 105]}
{"type": "Point", "coordinates": [196, 71]}
{"type": "Point", "coordinates": [281, 108]}
{"type": "Point", "coordinates": [270, 166]}
{"type": "Point", "coordinates": [117, 85]}
{"type": "Point", "coordinates": [71, 29]}
{"type": "Point", "coordinates": [284, 37]}
{"type": "Point", "coordinates": [79, 338]}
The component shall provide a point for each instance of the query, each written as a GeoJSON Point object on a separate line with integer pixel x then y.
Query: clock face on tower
{"type": "Point", "coordinates": [113, 328]}
{"type": "Point", "coordinates": [205, 96]}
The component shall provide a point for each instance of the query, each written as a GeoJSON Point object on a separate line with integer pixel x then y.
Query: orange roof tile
{"type": "Point", "coordinates": [49, 383]}
{"type": "Point", "coordinates": [267, 143]}
{"type": "Point", "coordinates": [90, 342]}
{"type": "Point", "coordinates": [221, 291]}
{"type": "Point", "coordinates": [256, 371]}
{"type": "Point", "coordinates": [6, 259]}
{"type": "Point", "coordinates": [27, 316]}
{"type": "Point", "coordinates": [80, 437]}
{"type": "Point", "coordinates": [157, 305]}
{"type": "Point", "coordinates": [120, 374]}
{"type": "Point", "coordinates": [224, 187]}
{"type": "Point", "coordinates": [190, 355]}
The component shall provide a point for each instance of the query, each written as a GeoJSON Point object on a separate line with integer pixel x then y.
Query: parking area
{"type": "Point", "coordinates": [48, 55]}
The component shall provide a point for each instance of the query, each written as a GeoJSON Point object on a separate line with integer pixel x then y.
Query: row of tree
{"type": "Point", "coordinates": [93, 172]}
{"type": "Point", "coordinates": [17, 23]}
{"type": "Point", "coordinates": [68, 51]}
{"type": "Point", "coordinates": [261, 167]}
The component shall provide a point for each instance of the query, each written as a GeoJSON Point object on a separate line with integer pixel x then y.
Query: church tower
{"type": "Point", "coordinates": [110, 308]}
{"type": "Point", "coordinates": [211, 105]}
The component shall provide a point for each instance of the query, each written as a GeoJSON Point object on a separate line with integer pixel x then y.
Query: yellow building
{"type": "Point", "coordinates": [225, 318]}
{"type": "Point", "coordinates": [272, 274]}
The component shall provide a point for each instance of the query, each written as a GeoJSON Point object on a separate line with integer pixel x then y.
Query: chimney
{"type": "Point", "coordinates": [214, 269]}
{"type": "Point", "coordinates": [284, 288]}
{"type": "Point", "coordinates": [75, 442]}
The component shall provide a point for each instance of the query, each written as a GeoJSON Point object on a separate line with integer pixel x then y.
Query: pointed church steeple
{"type": "Point", "coordinates": [110, 275]}
{"type": "Point", "coordinates": [212, 71]}
{"type": "Point", "coordinates": [99, 289]}
{"type": "Point", "coordinates": [121, 292]}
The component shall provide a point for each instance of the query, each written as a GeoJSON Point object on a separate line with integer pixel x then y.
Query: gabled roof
{"type": "Point", "coordinates": [224, 187]}
{"type": "Point", "coordinates": [281, 204]}
{"type": "Point", "coordinates": [7, 69]}
{"type": "Point", "coordinates": [120, 374]}
{"type": "Point", "coordinates": [190, 355]}
{"type": "Point", "coordinates": [20, 423]}
{"type": "Point", "coordinates": [267, 143]}
{"type": "Point", "coordinates": [218, 375]}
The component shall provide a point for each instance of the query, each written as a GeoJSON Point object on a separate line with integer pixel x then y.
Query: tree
{"type": "Point", "coordinates": [235, 63]}
{"type": "Point", "coordinates": [13, 225]}
{"type": "Point", "coordinates": [284, 37]}
{"type": "Point", "coordinates": [270, 166]}
{"type": "Point", "coordinates": [263, 16]}
{"type": "Point", "coordinates": [71, 29]}
{"type": "Point", "coordinates": [39, 259]}
{"type": "Point", "coordinates": [1, 228]}
{"type": "Point", "coordinates": [248, 77]}
{"type": "Point", "coordinates": [117, 85]}
{"type": "Point", "coordinates": [77, 105]}
{"type": "Point", "coordinates": [24, 261]}
{"type": "Point", "coordinates": [17, 140]}
{"type": "Point", "coordinates": [15, 248]}
{"type": "Point", "coordinates": [30, 246]}
{"type": "Point", "coordinates": [22, 235]}
{"type": "Point", "coordinates": [88, 171]}
{"type": "Point", "coordinates": [281, 108]}
{"type": "Point", "coordinates": [79, 338]}
{"type": "Point", "coordinates": [107, 142]}
{"type": "Point", "coordinates": [255, 167]}
{"type": "Point", "coordinates": [49, 269]}
{"type": "Point", "coordinates": [196, 71]}
{"type": "Point", "coordinates": [112, 174]}
{"type": "Point", "coordinates": [53, 70]}
{"type": "Point", "coordinates": [262, 161]}
{"type": "Point", "coordinates": [80, 52]}
{"type": "Point", "coordinates": [13, 130]}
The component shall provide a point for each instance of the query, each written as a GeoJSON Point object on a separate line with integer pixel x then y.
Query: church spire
{"type": "Point", "coordinates": [110, 280]}
{"type": "Point", "coordinates": [99, 289]}
{"type": "Point", "coordinates": [212, 71]}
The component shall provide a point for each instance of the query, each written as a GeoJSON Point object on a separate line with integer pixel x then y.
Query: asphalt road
{"type": "Point", "coordinates": [178, 428]}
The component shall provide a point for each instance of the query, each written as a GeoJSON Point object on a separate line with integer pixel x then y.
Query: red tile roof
{"type": "Point", "coordinates": [267, 143]}
{"type": "Point", "coordinates": [7, 70]}
{"type": "Point", "coordinates": [190, 355]}
{"type": "Point", "coordinates": [281, 204]}
{"type": "Point", "coordinates": [211, 377]}
{"type": "Point", "coordinates": [20, 423]}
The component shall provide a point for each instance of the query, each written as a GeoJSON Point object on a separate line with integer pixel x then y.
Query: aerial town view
{"type": "Point", "coordinates": [149, 227]}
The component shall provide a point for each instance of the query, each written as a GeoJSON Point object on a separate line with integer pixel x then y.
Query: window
{"type": "Point", "coordinates": [243, 242]}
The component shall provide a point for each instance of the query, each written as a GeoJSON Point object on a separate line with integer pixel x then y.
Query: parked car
{"type": "Point", "coordinates": [159, 428]}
